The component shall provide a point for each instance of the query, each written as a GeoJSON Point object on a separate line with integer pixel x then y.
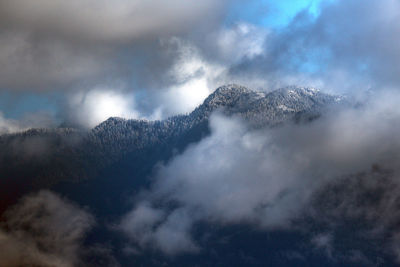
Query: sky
{"type": "Point", "coordinates": [278, 14]}
{"type": "Point", "coordinates": [135, 67]}
{"type": "Point", "coordinates": [152, 60]}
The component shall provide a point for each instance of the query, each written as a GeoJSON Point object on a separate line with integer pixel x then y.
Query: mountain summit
{"type": "Point", "coordinates": [265, 109]}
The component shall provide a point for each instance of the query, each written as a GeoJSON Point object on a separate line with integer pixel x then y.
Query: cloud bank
{"type": "Point", "coordinates": [272, 178]}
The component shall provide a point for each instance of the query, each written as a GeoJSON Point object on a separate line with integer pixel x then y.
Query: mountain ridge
{"type": "Point", "coordinates": [48, 156]}
{"type": "Point", "coordinates": [257, 109]}
{"type": "Point", "coordinates": [236, 95]}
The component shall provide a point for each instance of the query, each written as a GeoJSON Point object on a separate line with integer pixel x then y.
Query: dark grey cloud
{"type": "Point", "coordinates": [54, 44]}
{"type": "Point", "coordinates": [102, 20]}
{"type": "Point", "coordinates": [270, 178]}
{"type": "Point", "coordinates": [44, 230]}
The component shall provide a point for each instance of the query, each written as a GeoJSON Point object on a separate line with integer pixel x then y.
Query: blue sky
{"type": "Point", "coordinates": [16, 106]}
{"type": "Point", "coordinates": [282, 12]}
{"type": "Point", "coordinates": [273, 13]}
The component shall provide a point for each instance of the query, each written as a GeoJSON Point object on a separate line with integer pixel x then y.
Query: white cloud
{"type": "Point", "coordinates": [171, 237]}
{"type": "Point", "coordinates": [93, 107]}
{"type": "Point", "coordinates": [193, 81]}
{"type": "Point", "coordinates": [243, 40]}
{"type": "Point", "coordinates": [195, 75]}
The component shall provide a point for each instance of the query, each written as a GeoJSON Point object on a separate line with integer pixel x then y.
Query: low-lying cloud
{"type": "Point", "coordinates": [270, 178]}
{"type": "Point", "coordinates": [44, 230]}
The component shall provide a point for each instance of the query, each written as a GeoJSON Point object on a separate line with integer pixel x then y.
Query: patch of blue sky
{"type": "Point", "coordinates": [282, 12]}
{"type": "Point", "coordinates": [310, 67]}
{"type": "Point", "coordinates": [275, 14]}
{"type": "Point", "coordinates": [15, 106]}
{"type": "Point", "coordinates": [312, 62]}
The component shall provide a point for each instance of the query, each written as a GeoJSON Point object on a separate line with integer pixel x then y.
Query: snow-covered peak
{"type": "Point", "coordinates": [232, 94]}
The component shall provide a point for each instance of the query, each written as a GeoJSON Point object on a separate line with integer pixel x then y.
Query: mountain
{"type": "Point", "coordinates": [104, 168]}
{"type": "Point", "coordinates": [42, 158]}
{"type": "Point", "coordinates": [117, 136]}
